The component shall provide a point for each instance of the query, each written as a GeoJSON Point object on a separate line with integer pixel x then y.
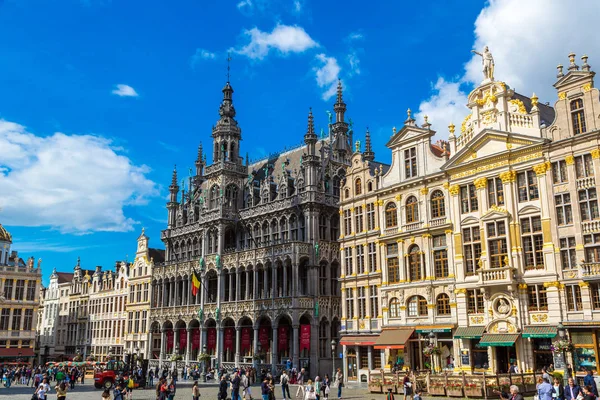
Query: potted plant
{"type": "Point", "coordinates": [388, 383]}
{"type": "Point", "coordinates": [561, 345]}
{"type": "Point", "coordinates": [91, 358]}
{"type": "Point", "coordinates": [176, 357]}
{"type": "Point", "coordinates": [375, 384]}
{"type": "Point", "coordinates": [204, 357]}
{"type": "Point", "coordinates": [529, 384]}
{"type": "Point", "coordinates": [454, 389]}
{"type": "Point", "coordinates": [430, 350]}
{"type": "Point", "coordinates": [473, 390]}
{"type": "Point", "coordinates": [436, 387]}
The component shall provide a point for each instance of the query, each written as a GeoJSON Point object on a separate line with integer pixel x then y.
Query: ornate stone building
{"type": "Point", "coordinates": [262, 237]}
{"type": "Point", "coordinates": [486, 243]}
{"type": "Point", "coordinates": [20, 284]}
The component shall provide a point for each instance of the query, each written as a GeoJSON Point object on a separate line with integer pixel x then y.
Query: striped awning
{"type": "Point", "coordinates": [499, 339]}
{"type": "Point", "coordinates": [539, 332]}
{"type": "Point", "coordinates": [393, 338]}
{"type": "Point", "coordinates": [469, 332]}
{"type": "Point", "coordinates": [358, 340]}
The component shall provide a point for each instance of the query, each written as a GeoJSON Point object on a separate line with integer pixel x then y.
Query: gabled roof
{"type": "Point", "coordinates": [408, 133]}
{"type": "Point", "coordinates": [65, 277]}
{"type": "Point", "coordinates": [158, 255]}
{"type": "Point", "coordinates": [547, 113]}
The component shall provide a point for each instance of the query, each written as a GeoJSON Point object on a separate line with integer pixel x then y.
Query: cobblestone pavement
{"type": "Point", "coordinates": [184, 392]}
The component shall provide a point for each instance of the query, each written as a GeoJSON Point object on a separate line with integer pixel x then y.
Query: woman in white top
{"type": "Point", "coordinates": [43, 390]}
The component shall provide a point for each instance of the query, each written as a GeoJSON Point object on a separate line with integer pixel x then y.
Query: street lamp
{"type": "Point", "coordinates": [333, 347]}
{"type": "Point", "coordinates": [204, 363]}
{"type": "Point", "coordinates": [562, 333]}
{"type": "Point", "coordinates": [430, 339]}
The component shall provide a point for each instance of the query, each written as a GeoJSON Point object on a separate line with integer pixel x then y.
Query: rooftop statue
{"type": "Point", "coordinates": [488, 63]}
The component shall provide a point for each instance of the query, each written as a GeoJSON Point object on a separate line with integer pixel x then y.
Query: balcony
{"type": "Point", "coordinates": [586, 182]}
{"type": "Point", "coordinates": [390, 231]}
{"type": "Point", "coordinates": [496, 276]}
{"type": "Point", "coordinates": [437, 222]}
{"type": "Point", "coordinates": [590, 226]}
{"type": "Point", "coordinates": [413, 226]}
{"type": "Point", "coordinates": [590, 270]}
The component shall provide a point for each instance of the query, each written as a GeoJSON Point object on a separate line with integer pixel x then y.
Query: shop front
{"type": "Point", "coordinates": [360, 356]}
{"type": "Point", "coordinates": [585, 349]}
{"type": "Point", "coordinates": [394, 343]}
{"type": "Point", "coordinates": [439, 336]}
{"type": "Point", "coordinates": [503, 349]}
{"type": "Point", "coordinates": [473, 356]}
{"type": "Point", "coordinates": [541, 338]}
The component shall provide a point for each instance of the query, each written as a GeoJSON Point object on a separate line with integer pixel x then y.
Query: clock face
{"type": "Point", "coordinates": [142, 246]}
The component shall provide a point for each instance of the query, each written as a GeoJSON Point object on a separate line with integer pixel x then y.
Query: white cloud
{"type": "Point", "coordinates": [201, 54]}
{"type": "Point", "coordinates": [125, 91]}
{"type": "Point", "coordinates": [446, 105]}
{"type": "Point", "coordinates": [527, 45]}
{"type": "Point", "coordinates": [355, 36]}
{"type": "Point", "coordinates": [297, 6]}
{"type": "Point", "coordinates": [73, 183]}
{"type": "Point", "coordinates": [327, 74]}
{"type": "Point", "coordinates": [284, 39]}
{"type": "Point", "coordinates": [354, 63]}
{"type": "Point", "coordinates": [244, 4]}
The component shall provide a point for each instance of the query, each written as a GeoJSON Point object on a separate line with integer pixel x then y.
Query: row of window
{"type": "Point", "coordinates": [588, 206]}
{"type": "Point", "coordinates": [15, 289]}
{"type": "Point", "coordinates": [21, 319]}
{"type": "Point", "coordinates": [135, 324]}
{"type": "Point", "coordinates": [107, 329]}
{"type": "Point", "coordinates": [136, 291]}
{"type": "Point", "coordinates": [372, 292]}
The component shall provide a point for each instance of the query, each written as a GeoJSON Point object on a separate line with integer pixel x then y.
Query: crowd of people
{"type": "Point", "coordinates": [28, 376]}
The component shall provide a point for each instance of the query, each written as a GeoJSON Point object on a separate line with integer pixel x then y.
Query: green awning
{"type": "Point", "coordinates": [538, 332]}
{"type": "Point", "coordinates": [469, 332]}
{"type": "Point", "coordinates": [499, 339]}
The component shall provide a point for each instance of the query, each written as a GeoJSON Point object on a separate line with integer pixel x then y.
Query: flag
{"type": "Point", "coordinates": [195, 283]}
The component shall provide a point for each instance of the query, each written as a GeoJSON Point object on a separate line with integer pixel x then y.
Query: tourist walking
{"type": "Point", "coordinates": [223, 389]}
{"type": "Point", "coordinates": [43, 390]}
{"type": "Point", "coordinates": [61, 391]}
{"type": "Point", "coordinates": [265, 389]}
{"type": "Point", "coordinates": [407, 385]}
{"type": "Point", "coordinates": [339, 379]}
{"type": "Point", "coordinates": [285, 385]}
{"type": "Point", "coordinates": [195, 391]}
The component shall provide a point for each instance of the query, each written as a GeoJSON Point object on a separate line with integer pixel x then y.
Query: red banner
{"type": "Point", "coordinates": [211, 338]}
{"type": "Point", "coordinates": [196, 339]}
{"type": "Point", "coordinates": [304, 337]}
{"type": "Point", "coordinates": [263, 338]}
{"type": "Point", "coordinates": [183, 338]}
{"type": "Point", "coordinates": [282, 337]}
{"type": "Point", "coordinates": [170, 338]}
{"type": "Point", "coordinates": [229, 340]}
{"type": "Point", "coordinates": [246, 339]}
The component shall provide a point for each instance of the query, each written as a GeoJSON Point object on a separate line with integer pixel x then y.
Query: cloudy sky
{"type": "Point", "coordinates": [99, 98]}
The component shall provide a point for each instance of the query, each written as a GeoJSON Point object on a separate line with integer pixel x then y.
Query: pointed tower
{"type": "Point", "coordinates": [227, 134]}
{"type": "Point", "coordinates": [341, 137]}
{"type": "Point", "coordinates": [368, 154]}
{"type": "Point", "coordinates": [172, 204]}
{"type": "Point", "coordinates": [200, 161]}
{"type": "Point", "coordinates": [310, 138]}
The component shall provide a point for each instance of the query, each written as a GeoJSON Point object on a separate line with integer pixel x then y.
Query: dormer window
{"type": "Point", "coordinates": [410, 163]}
{"type": "Point", "coordinates": [357, 187]}
{"type": "Point", "coordinates": [577, 116]}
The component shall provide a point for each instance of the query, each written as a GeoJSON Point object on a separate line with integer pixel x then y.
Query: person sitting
{"type": "Point", "coordinates": [513, 394]}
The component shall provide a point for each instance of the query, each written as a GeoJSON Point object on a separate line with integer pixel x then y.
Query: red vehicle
{"type": "Point", "coordinates": [106, 377]}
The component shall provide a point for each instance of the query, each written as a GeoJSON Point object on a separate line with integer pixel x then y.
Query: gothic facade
{"type": "Point", "coordinates": [262, 237]}
{"type": "Point", "coordinates": [481, 246]}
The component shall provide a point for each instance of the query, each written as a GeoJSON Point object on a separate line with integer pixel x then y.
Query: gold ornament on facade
{"type": "Point", "coordinates": [476, 320]}
{"type": "Point", "coordinates": [520, 106]}
{"type": "Point", "coordinates": [398, 197]}
{"type": "Point", "coordinates": [460, 291]}
{"type": "Point", "coordinates": [584, 284]}
{"type": "Point", "coordinates": [523, 286]}
{"type": "Point", "coordinates": [454, 189]}
{"type": "Point", "coordinates": [400, 241]}
{"type": "Point", "coordinates": [540, 169]}
{"type": "Point", "coordinates": [595, 154]}
{"type": "Point", "coordinates": [412, 239]}
{"type": "Point", "coordinates": [570, 160]}
{"type": "Point", "coordinates": [480, 183]}
{"type": "Point", "coordinates": [534, 100]}
{"type": "Point", "coordinates": [451, 128]}
{"type": "Point", "coordinates": [463, 127]}
{"type": "Point", "coordinates": [508, 176]}
{"type": "Point", "coordinates": [448, 231]}
{"type": "Point", "coordinates": [446, 185]}
{"type": "Point", "coordinates": [562, 95]}
{"type": "Point", "coordinates": [424, 191]}
{"type": "Point", "coordinates": [554, 284]}
{"type": "Point", "coordinates": [426, 235]}
{"type": "Point", "coordinates": [587, 87]}
{"type": "Point", "coordinates": [539, 317]}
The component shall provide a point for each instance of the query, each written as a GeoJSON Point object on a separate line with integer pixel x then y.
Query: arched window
{"type": "Point", "coordinates": [442, 304]}
{"type": "Point", "coordinates": [578, 116]}
{"type": "Point", "coordinates": [414, 264]}
{"type": "Point", "coordinates": [231, 195]}
{"type": "Point", "coordinates": [357, 187]}
{"type": "Point", "coordinates": [346, 194]}
{"type": "Point", "coordinates": [391, 217]}
{"type": "Point", "coordinates": [369, 186]}
{"type": "Point", "coordinates": [394, 308]}
{"type": "Point", "coordinates": [336, 185]}
{"type": "Point", "coordinates": [412, 210]}
{"type": "Point", "coordinates": [438, 204]}
{"type": "Point", "coordinates": [417, 306]}
{"type": "Point", "coordinates": [214, 195]}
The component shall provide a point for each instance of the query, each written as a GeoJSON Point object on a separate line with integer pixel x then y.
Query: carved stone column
{"type": "Point", "coordinates": [238, 344]}
{"type": "Point", "coordinates": [295, 346]}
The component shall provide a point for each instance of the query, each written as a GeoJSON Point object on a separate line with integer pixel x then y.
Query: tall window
{"type": "Point", "coordinates": [595, 291]}
{"type": "Point", "coordinates": [496, 232]}
{"type": "Point", "coordinates": [20, 290]}
{"type": "Point", "coordinates": [358, 220]}
{"type": "Point", "coordinates": [412, 210]}
{"type": "Point", "coordinates": [394, 308]}
{"type": "Point", "coordinates": [16, 319]}
{"type": "Point", "coordinates": [392, 263]}
{"type": "Point", "coordinates": [577, 116]}
{"type": "Point", "coordinates": [472, 249]}
{"type": "Point", "coordinates": [495, 192]}
{"type": "Point", "coordinates": [360, 258]}
{"type": "Point", "coordinates": [591, 245]}
{"type": "Point", "coordinates": [568, 257]}
{"type": "Point", "coordinates": [584, 166]}
{"type": "Point", "coordinates": [8, 289]}
{"type": "Point", "coordinates": [414, 264]}
{"type": "Point", "coordinates": [559, 172]}
{"type": "Point", "coordinates": [528, 186]}
{"type": "Point", "coordinates": [362, 302]}
{"type": "Point", "coordinates": [214, 194]}
{"type": "Point", "coordinates": [588, 204]}
{"type": "Point", "coordinates": [442, 304]}
{"type": "Point", "coordinates": [348, 260]}
{"type": "Point", "coordinates": [347, 222]}
{"type": "Point", "coordinates": [5, 317]}
{"type": "Point", "coordinates": [533, 241]}
{"type": "Point", "coordinates": [410, 163]}
{"type": "Point", "coordinates": [438, 204]}
{"type": "Point", "coordinates": [573, 294]}
{"type": "Point", "coordinates": [370, 216]}
{"type": "Point", "coordinates": [538, 300]}
{"type": "Point", "coordinates": [564, 213]}
{"type": "Point", "coordinates": [440, 256]}
{"type": "Point", "coordinates": [468, 199]}
{"type": "Point", "coordinates": [373, 296]}
{"type": "Point", "coordinates": [417, 306]}
{"type": "Point", "coordinates": [357, 187]}
{"type": "Point", "coordinates": [391, 216]}
{"type": "Point", "coordinates": [349, 303]}
{"type": "Point", "coordinates": [475, 301]}
{"type": "Point", "coordinates": [372, 256]}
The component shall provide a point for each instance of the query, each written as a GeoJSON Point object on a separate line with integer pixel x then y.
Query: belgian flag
{"type": "Point", "coordinates": [195, 283]}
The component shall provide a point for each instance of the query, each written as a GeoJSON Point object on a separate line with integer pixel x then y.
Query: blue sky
{"type": "Point", "coordinates": [99, 99]}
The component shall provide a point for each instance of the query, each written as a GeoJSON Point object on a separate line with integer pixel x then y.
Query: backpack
{"type": "Point", "coordinates": [284, 380]}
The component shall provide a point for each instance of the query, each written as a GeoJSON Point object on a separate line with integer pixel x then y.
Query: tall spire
{"type": "Point", "coordinates": [310, 138]}
{"type": "Point", "coordinates": [339, 92]}
{"type": "Point", "coordinates": [200, 151]}
{"type": "Point", "coordinates": [174, 177]}
{"type": "Point", "coordinates": [368, 154]}
{"type": "Point", "coordinates": [339, 107]}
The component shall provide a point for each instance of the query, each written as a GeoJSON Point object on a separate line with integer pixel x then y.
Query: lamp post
{"type": "Point", "coordinates": [431, 340]}
{"type": "Point", "coordinates": [562, 333]}
{"type": "Point", "coordinates": [333, 347]}
{"type": "Point", "coordinates": [204, 363]}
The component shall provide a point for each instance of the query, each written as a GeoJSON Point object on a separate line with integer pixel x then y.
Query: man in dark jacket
{"type": "Point", "coordinates": [513, 395]}
{"type": "Point", "coordinates": [235, 386]}
{"type": "Point", "coordinates": [572, 390]}
{"type": "Point", "coordinates": [590, 381]}
{"type": "Point", "coordinates": [223, 389]}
